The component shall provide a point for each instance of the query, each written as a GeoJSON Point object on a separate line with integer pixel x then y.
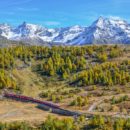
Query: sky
{"type": "Point", "coordinates": [61, 13]}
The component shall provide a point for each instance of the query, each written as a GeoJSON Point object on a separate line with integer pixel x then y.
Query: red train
{"type": "Point", "coordinates": [30, 99]}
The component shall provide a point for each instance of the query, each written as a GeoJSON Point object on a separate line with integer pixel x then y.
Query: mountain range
{"type": "Point", "coordinates": [101, 31]}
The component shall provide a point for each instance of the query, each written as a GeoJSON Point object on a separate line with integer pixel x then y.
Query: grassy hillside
{"type": "Point", "coordinates": [89, 79]}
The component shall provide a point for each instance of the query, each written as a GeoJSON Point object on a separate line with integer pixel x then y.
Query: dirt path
{"type": "Point", "coordinates": [99, 101]}
{"type": "Point", "coordinates": [94, 105]}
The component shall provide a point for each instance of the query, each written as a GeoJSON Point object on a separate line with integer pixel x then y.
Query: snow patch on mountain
{"type": "Point", "coordinates": [102, 31]}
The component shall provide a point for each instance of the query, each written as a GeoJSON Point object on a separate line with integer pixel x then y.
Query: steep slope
{"type": "Point", "coordinates": [6, 31]}
{"type": "Point", "coordinates": [70, 35]}
{"type": "Point", "coordinates": [106, 30]}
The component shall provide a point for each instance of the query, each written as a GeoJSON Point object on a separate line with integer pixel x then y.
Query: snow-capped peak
{"type": "Point", "coordinates": [26, 29]}
{"type": "Point", "coordinates": [99, 22]}
{"type": "Point", "coordinates": [103, 30]}
{"type": "Point", "coordinates": [5, 30]}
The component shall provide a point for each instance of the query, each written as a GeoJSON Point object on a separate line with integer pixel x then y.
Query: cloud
{"type": "Point", "coordinates": [19, 2]}
{"type": "Point", "coordinates": [51, 23]}
{"type": "Point", "coordinates": [127, 19]}
{"type": "Point", "coordinates": [27, 9]}
{"type": "Point", "coordinates": [7, 13]}
{"type": "Point", "coordinates": [115, 17]}
{"type": "Point", "coordinates": [121, 1]}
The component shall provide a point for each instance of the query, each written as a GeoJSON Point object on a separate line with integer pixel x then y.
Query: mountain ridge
{"type": "Point", "coordinates": [101, 31]}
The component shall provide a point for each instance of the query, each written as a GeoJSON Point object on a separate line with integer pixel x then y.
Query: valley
{"type": "Point", "coordinates": [92, 80]}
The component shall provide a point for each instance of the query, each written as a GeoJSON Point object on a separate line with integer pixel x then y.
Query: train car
{"type": "Point", "coordinates": [29, 99]}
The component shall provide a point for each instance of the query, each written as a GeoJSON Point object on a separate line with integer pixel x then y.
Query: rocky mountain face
{"type": "Point", "coordinates": [102, 31]}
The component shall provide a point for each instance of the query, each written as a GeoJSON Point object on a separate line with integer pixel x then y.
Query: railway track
{"type": "Point", "coordinates": [54, 108]}
{"type": "Point", "coordinates": [42, 104]}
